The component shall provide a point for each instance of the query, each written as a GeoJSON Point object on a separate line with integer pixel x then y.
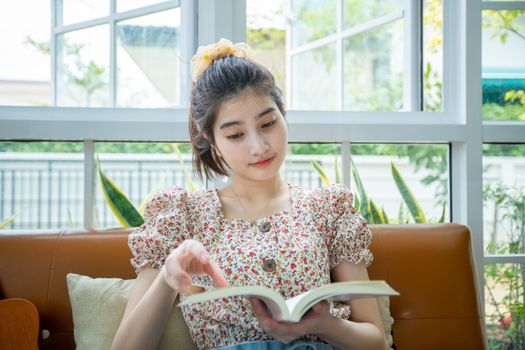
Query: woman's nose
{"type": "Point", "coordinates": [258, 145]}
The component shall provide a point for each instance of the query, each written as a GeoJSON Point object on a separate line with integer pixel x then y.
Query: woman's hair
{"type": "Point", "coordinates": [223, 79]}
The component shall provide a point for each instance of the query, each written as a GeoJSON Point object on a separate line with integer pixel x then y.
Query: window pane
{"type": "Point", "coordinates": [298, 168]}
{"type": "Point", "coordinates": [359, 11]}
{"type": "Point", "coordinates": [83, 68]}
{"type": "Point", "coordinates": [373, 69]}
{"type": "Point", "coordinates": [313, 84]}
{"type": "Point", "coordinates": [148, 60]}
{"type": "Point", "coordinates": [266, 34]}
{"type": "Point", "coordinates": [126, 5]}
{"type": "Point", "coordinates": [504, 198]}
{"type": "Point", "coordinates": [41, 185]}
{"type": "Point", "coordinates": [432, 55]}
{"type": "Point", "coordinates": [24, 44]}
{"type": "Point", "coordinates": [75, 11]}
{"type": "Point", "coordinates": [140, 170]}
{"type": "Point", "coordinates": [312, 20]}
{"type": "Point", "coordinates": [423, 170]}
{"type": "Point", "coordinates": [504, 305]}
{"type": "Point", "coordinates": [503, 65]}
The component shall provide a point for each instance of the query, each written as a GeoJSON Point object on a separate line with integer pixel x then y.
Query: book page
{"type": "Point", "coordinates": [338, 291]}
{"type": "Point", "coordinates": [273, 300]}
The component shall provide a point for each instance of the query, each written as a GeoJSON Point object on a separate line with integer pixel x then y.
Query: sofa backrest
{"type": "Point", "coordinates": [429, 265]}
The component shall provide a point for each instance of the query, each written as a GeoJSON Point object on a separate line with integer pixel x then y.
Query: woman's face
{"type": "Point", "coordinates": [251, 136]}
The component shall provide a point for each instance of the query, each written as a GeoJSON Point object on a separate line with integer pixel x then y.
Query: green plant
{"type": "Point", "coordinates": [123, 209]}
{"type": "Point", "coordinates": [509, 314]}
{"type": "Point", "coordinates": [369, 209]}
{"type": "Point", "coordinates": [120, 205]}
{"type": "Point", "coordinates": [7, 221]}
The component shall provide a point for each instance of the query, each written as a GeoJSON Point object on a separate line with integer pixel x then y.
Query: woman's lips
{"type": "Point", "coordinates": [264, 163]}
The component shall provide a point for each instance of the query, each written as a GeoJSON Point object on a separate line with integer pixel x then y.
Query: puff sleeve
{"type": "Point", "coordinates": [348, 236]}
{"type": "Point", "coordinates": [166, 225]}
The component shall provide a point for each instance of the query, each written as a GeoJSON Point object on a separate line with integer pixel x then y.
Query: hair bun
{"type": "Point", "coordinates": [207, 54]}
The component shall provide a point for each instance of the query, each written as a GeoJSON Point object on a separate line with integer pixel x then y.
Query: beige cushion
{"type": "Point", "coordinates": [98, 305]}
{"type": "Point", "coordinates": [386, 318]}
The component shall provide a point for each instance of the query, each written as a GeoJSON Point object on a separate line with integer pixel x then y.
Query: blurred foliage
{"type": "Point", "coordinates": [87, 75]}
{"type": "Point", "coordinates": [509, 310]}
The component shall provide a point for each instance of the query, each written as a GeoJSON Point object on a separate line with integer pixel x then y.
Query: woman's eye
{"type": "Point", "coordinates": [234, 136]}
{"type": "Point", "coordinates": [269, 124]}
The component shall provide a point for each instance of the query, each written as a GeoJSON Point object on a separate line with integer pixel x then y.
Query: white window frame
{"type": "Point", "coordinates": [58, 29]}
{"type": "Point", "coordinates": [459, 124]}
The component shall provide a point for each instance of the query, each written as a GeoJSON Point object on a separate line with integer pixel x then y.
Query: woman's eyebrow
{"type": "Point", "coordinates": [258, 116]}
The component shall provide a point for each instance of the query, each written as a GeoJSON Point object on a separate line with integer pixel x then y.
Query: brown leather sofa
{"type": "Point", "coordinates": [430, 265]}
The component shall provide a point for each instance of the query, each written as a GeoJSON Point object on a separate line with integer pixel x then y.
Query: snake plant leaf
{"type": "Point", "coordinates": [321, 172]}
{"type": "Point", "coordinates": [189, 180]}
{"type": "Point", "coordinates": [362, 193]}
{"type": "Point", "coordinates": [336, 171]}
{"type": "Point", "coordinates": [357, 203]}
{"type": "Point", "coordinates": [443, 214]}
{"type": "Point", "coordinates": [401, 214]}
{"type": "Point", "coordinates": [120, 205]}
{"type": "Point", "coordinates": [386, 220]}
{"type": "Point", "coordinates": [375, 213]}
{"type": "Point", "coordinates": [408, 197]}
{"type": "Point", "coordinates": [7, 221]}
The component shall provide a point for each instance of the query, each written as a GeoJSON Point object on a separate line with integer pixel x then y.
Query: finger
{"type": "Point", "coordinates": [260, 310]}
{"type": "Point", "coordinates": [216, 274]}
{"type": "Point", "coordinates": [198, 251]}
{"type": "Point", "coordinates": [191, 289]}
{"type": "Point", "coordinates": [321, 306]}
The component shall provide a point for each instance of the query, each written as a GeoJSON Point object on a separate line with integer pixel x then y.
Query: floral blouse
{"type": "Point", "coordinates": [291, 251]}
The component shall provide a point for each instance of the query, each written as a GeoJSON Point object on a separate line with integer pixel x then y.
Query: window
{"type": "Point", "coordinates": [107, 57]}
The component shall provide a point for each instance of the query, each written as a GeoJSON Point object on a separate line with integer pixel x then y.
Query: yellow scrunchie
{"type": "Point", "coordinates": [207, 54]}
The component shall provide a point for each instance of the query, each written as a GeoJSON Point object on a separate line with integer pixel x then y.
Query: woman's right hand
{"type": "Point", "coordinates": [190, 258]}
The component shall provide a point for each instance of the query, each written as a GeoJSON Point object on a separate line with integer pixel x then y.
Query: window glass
{"type": "Point", "coordinates": [140, 170]}
{"type": "Point", "coordinates": [75, 11]}
{"type": "Point", "coordinates": [312, 20]}
{"type": "Point", "coordinates": [148, 60]}
{"type": "Point", "coordinates": [314, 79]}
{"type": "Point", "coordinates": [504, 198]}
{"type": "Point", "coordinates": [358, 11]}
{"type": "Point", "coordinates": [408, 183]}
{"type": "Point", "coordinates": [432, 55]}
{"type": "Point", "coordinates": [306, 162]}
{"type": "Point", "coordinates": [25, 65]}
{"type": "Point", "coordinates": [389, 178]}
{"type": "Point", "coordinates": [266, 34]}
{"type": "Point", "coordinates": [503, 65]}
{"type": "Point", "coordinates": [126, 5]}
{"type": "Point", "coordinates": [41, 185]}
{"type": "Point", "coordinates": [373, 69]}
{"type": "Point", "coordinates": [83, 68]}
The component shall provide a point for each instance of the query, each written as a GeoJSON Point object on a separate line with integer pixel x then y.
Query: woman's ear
{"type": "Point", "coordinates": [216, 151]}
{"type": "Point", "coordinates": [214, 148]}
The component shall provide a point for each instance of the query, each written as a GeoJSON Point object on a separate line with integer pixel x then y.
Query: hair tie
{"type": "Point", "coordinates": [207, 54]}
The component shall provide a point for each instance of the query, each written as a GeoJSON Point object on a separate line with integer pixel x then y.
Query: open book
{"type": "Point", "coordinates": [291, 310]}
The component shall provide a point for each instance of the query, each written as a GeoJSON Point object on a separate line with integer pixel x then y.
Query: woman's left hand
{"type": "Point", "coordinates": [311, 323]}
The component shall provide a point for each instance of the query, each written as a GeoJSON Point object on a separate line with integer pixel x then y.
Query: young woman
{"type": "Point", "coordinates": [257, 230]}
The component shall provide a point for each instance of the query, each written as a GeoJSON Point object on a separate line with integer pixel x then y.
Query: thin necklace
{"type": "Point", "coordinates": [265, 206]}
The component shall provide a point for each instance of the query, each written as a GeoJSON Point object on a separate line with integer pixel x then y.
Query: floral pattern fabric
{"type": "Point", "coordinates": [319, 230]}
